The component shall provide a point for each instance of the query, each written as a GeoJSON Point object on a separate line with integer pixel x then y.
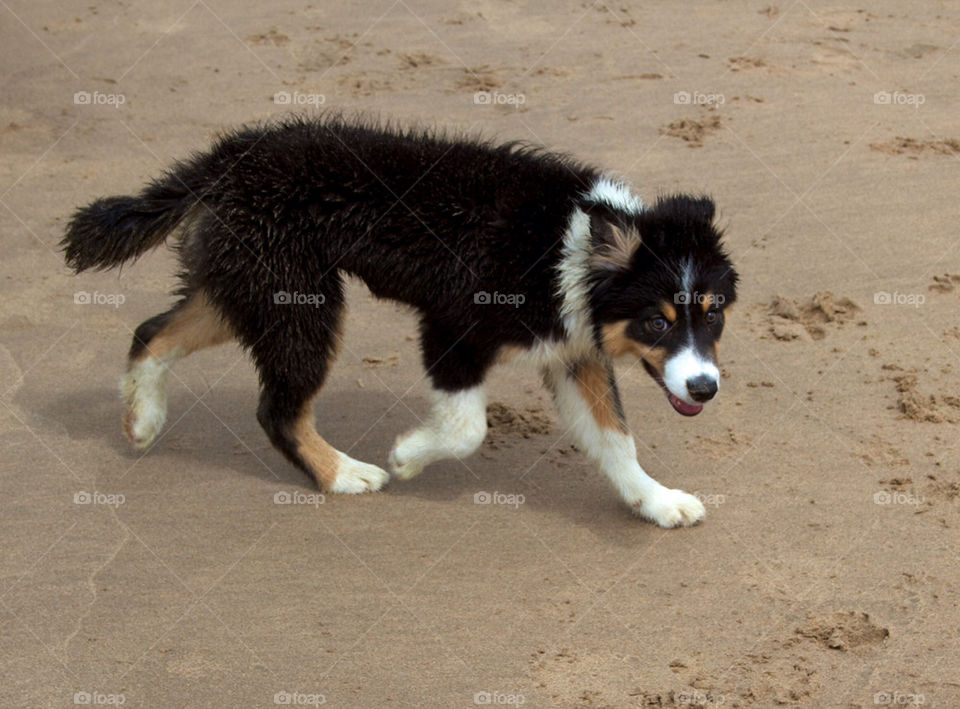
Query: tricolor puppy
{"type": "Point", "coordinates": [501, 249]}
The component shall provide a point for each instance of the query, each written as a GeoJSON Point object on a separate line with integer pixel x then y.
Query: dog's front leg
{"type": "Point", "coordinates": [589, 405]}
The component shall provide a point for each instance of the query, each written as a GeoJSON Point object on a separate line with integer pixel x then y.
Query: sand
{"type": "Point", "coordinates": [208, 572]}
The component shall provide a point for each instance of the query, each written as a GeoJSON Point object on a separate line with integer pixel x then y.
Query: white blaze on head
{"type": "Point", "coordinates": [686, 365]}
{"type": "Point", "coordinates": [686, 277]}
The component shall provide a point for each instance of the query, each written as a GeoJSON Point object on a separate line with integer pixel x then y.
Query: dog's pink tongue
{"type": "Point", "coordinates": [683, 407]}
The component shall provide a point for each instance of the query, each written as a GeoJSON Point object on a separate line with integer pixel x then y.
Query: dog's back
{"type": "Point", "coordinates": [385, 205]}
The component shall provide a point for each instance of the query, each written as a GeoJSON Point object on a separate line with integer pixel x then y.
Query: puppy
{"type": "Point", "coordinates": [501, 249]}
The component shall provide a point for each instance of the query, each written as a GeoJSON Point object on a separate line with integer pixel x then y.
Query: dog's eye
{"type": "Point", "coordinates": [658, 324]}
{"type": "Point", "coordinates": [712, 316]}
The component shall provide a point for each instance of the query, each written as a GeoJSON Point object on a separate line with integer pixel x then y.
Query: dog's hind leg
{"type": "Point", "coordinates": [286, 414]}
{"type": "Point", "coordinates": [293, 358]}
{"type": "Point", "coordinates": [457, 423]}
{"type": "Point", "coordinates": [589, 405]}
{"type": "Point", "coordinates": [194, 323]}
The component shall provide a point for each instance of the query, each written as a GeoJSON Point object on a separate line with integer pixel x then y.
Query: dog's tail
{"type": "Point", "coordinates": [114, 230]}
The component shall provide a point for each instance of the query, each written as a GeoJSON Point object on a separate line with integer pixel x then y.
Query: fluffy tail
{"type": "Point", "coordinates": [114, 230]}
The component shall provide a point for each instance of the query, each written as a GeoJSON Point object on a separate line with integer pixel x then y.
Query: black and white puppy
{"type": "Point", "coordinates": [503, 250]}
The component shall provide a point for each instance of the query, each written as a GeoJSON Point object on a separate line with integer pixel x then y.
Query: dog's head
{"type": "Point", "coordinates": [660, 286]}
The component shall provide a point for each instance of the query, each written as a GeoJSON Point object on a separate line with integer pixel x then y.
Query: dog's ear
{"type": "Point", "coordinates": [684, 207]}
{"type": "Point", "coordinates": [614, 244]}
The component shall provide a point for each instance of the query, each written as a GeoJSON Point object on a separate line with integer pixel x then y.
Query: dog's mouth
{"type": "Point", "coordinates": [679, 405]}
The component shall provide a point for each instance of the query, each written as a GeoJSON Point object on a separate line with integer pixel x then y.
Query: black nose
{"type": "Point", "coordinates": [702, 388]}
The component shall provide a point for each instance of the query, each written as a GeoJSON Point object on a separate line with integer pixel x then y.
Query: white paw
{"type": "Point", "coordinates": [354, 477]}
{"type": "Point", "coordinates": [142, 425]}
{"type": "Point", "coordinates": [145, 400]}
{"type": "Point", "coordinates": [671, 508]}
{"type": "Point", "coordinates": [143, 419]}
{"type": "Point", "coordinates": [411, 454]}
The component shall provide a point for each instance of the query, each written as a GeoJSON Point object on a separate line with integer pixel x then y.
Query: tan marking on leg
{"type": "Point", "coordinates": [194, 325]}
{"type": "Point", "coordinates": [197, 324]}
{"type": "Point", "coordinates": [323, 459]}
{"type": "Point", "coordinates": [593, 381]}
{"type": "Point", "coordinates": [333, 470]}
{"type": "Point", "coordinates": [669, 312]}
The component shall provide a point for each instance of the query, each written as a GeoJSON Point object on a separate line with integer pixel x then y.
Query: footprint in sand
{"type": "Point", "coordinates": [844, 631]}
{"type": "Point", "coordinates": [914, 148]}
{"type": "Point", "coordinates": [693, 131]}
{"type": "Point", "coordinates": [789, 320]}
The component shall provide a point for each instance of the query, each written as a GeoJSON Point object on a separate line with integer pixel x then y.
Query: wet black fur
{"type": "Point", "coordinates": [422, 218]}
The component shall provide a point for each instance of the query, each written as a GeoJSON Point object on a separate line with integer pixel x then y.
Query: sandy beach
{"type": "Point", "coordinates": [209, 572]}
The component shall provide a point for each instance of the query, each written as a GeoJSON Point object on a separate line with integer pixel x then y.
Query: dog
{"type": "Point", "coordinates": [502, 249]}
